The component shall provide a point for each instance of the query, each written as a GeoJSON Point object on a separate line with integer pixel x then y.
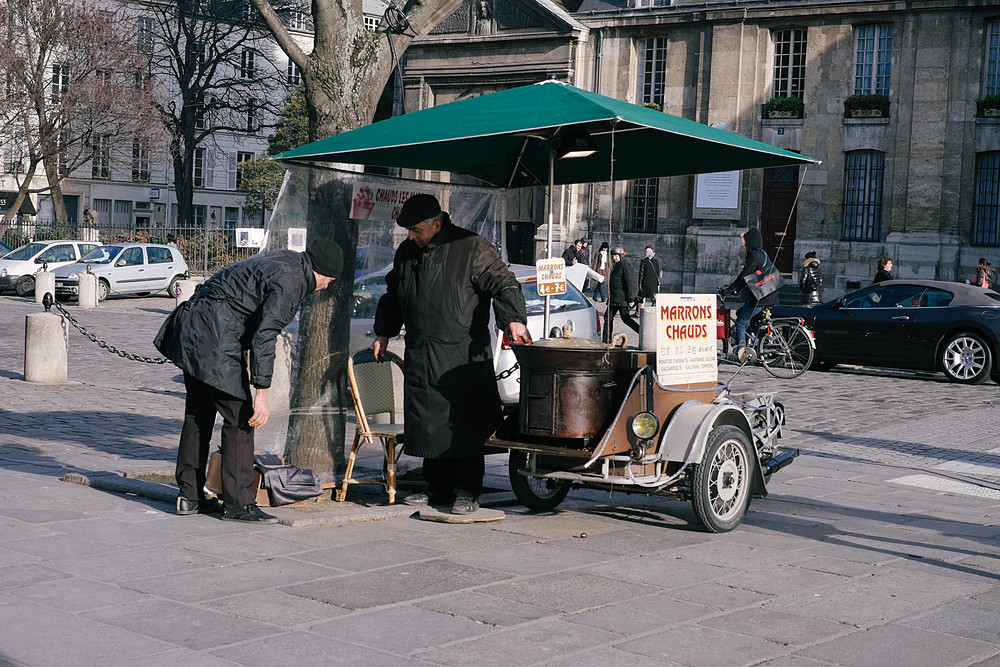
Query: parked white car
{"type": "Point", "coordinates": [18, 267]}
{"type": "Point", "coordinates": [125, 268]}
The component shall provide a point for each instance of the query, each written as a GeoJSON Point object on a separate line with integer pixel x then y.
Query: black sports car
{"type": "Point", "coordinates": [920, 324]}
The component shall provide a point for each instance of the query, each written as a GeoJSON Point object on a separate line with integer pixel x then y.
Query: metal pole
{"type": "Point", "coordinates": [548, 234]}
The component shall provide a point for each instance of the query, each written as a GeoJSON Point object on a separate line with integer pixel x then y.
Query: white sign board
{"type": "Point", "coordinates": [551, 276]}
{"type": "Point", "coordinates": [686, 339]}
{"type": "Point", "coordinates": [297, 238]}
{"type": "Point", "coordinates": [379, 202]}
{"type": "Point", "coordinates": [717, 196]}
{"type": "Point", "coordinates": [250, 237]}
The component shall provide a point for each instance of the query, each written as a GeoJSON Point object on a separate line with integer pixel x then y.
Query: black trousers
{"type": "Point", "coordinates": [446, 476]}
{"type": "Point", "coordinates": [609, 320]}
{"type": "Point", "coordinates": [201, 405]}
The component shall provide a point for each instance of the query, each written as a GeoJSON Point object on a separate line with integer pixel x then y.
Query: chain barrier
{"type": "Point", "coordinates": [510, 371]}
{"type": "Point", "coordinates": [106, 346]}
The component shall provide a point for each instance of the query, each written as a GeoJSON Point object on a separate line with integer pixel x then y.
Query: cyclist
{"type": "Point", "coordinates": [756, 258]}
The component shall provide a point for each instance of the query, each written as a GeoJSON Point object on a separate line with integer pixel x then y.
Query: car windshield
{"type": "Point", "coordinates": [103, 255]}
{"type": "Point", "coordinates": [26, 252]}
{"type": "Point", "coordinates": [559, 303]}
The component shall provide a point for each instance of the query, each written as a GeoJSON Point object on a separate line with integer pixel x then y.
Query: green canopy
{"type": "Point", "coordinates": [503, 139]}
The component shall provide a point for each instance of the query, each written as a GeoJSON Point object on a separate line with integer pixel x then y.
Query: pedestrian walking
{"type": "Point", "coordinates": [984, 274]}
{"type": "Point", "coordinates": [440, 287]}
{"type": "Point", "coordinates": [237, 313]}
{"type": "Point", "coordinates": [810, 281]}
{"type": "Point", "coordinates": [649, 276]}
{"type": "Point", "coordinates": [602, 265]}
{"type": "Point", "coordinates": [622, 292]}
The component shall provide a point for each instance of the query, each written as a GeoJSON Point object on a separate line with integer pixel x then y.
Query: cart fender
{"type": "Point", "coordinates": [685, 436]}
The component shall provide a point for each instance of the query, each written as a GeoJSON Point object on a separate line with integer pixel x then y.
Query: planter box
{"type": "Point", "coordinates": [866, 113]}
{"type": "Point", "coordinates": [991, 113]}
{"type": "Point", "coordinates": [783, 114]}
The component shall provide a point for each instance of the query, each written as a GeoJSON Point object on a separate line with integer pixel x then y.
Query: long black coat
{"type": "Point", "coordinates": [442, 294]}
{"type": "Point", "coordinates": [649, 277]}
{"type": "Point", "coordinates": [756, 260]}
{"type": "Point", "coordinates": [241, 308]}
{"type": "Point", "coordinates": [621, 284]}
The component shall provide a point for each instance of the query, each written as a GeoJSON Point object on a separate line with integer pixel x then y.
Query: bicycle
{"type": "Point", "coordinates": [784, 346]}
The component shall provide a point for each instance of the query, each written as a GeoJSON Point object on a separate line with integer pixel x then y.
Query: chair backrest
{"type": "Point", "coordinates": [372, 384]}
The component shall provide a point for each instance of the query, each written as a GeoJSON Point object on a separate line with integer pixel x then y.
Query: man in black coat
{"type": "Point", "coordinates": [441, 284]}
{"type": "Point", "coordinates": [621, 294]}
{"type": "Point", "coordinates": [756, 259]}
{"type": "Point", "coordinates": [240, 309]}
{"type": "Point", "coordinates": [649, 276]}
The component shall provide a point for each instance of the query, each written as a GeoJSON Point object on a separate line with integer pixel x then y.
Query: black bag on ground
{"type": "Point", "coordinates": [764, 281]}
{"type": "Point", "coordinates": [286, 484]}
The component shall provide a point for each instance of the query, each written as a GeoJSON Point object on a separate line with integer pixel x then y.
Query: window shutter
{"type": "Point", "coordinates": [210, 169]}
{"type": "Point", "coordinates": [231, 184]}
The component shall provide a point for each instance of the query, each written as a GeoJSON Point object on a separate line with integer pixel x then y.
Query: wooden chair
{"type": "Point", "coordinates": [373, 388]}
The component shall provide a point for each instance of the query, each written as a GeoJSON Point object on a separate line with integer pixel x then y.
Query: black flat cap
{"type": "Point", "coordinates": [418, 208]}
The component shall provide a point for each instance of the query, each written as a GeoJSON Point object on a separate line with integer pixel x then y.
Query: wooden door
{"type": "Point", "coordinates": [777, 217]}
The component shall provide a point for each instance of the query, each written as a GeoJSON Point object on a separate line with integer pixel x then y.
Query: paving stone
{"type": "Point", "coordinates": [569, 591]}
{"type": "Point", "coordinates": [75, 594]}
{"type": "Point", "coordinates": [718, 596]}
{"type": "Point", "coordinates": [58, 548]}
{"type": "Point", "coordinates": [530, 558]}
{"type": "Point", "coordinates": [122, 564]}
{"type": "Point", "coordinates": [603, 657]}
{"type": "Point", "coordinates": [778, 627]}
{"type": "Point", "coordinates": [397, 584]}
{"type": "Point", "coordinates": [28, 573]}
{"type": "Point", "coordinates": [172, 658]}
{"type": "Point", "coordinates": [664, 571]}
{"type": "Point", "coordinates": [894, 644]}
{"type": "Point", "coordinates": [700, 646]}
{"type": "Point", "coordinates": [485, 609]}
{"type": "Point", "coordinates": [781, 580]}
{"type": "Point", "coordinates": [365, 556]}
{"type": "Point", "coordinates": [417, 628]}
{"type": "Point", "coordinates": [845, 568]}
{"type": "Point", "coordinates": [276, 607]}
{"type": "Point", "coordinates": [634, 541]}
{"type": "Point", "coordinates": [975, 619]}
{"type": "Point", "coordinates": [532, 643]}
{"type": "Point", "coordinates": [184, 625]}
{"type": "Point", "coordinates": [559, 524]}
{"type": "Point", "coordinates": [991, 595]}
{"type": "Point", "coordinates": [641, 616]}
{"type": "Point", "coordinates": [43, 515]}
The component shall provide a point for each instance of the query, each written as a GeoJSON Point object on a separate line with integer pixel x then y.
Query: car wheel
{"type": "Point", "coordinates": [25, 286]}
{"type": "Point", "coordinates": [103, 289]}
{"type": "Point", "coordinates": [966, 358]}
{"type": "Point", "coordinates": [174, 288]}
{"type": "Point", "coordinates": [720, 484]}
{"type": "Point", "coordinates": [534, 493]}
{"type": "Point", "coordinates": [821, 366]}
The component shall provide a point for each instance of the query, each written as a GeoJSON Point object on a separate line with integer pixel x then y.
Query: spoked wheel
{"type": "Point", "coordinates": [534, 493]}
{"type": "Point", "coordinates": [720, 485]}
{"type": "Point", "coordinates": [966, 358]}
{"type": "Point", "coordinates": [785, 349]}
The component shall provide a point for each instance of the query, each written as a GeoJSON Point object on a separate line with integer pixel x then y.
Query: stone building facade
{"type": "Point", "coordinates": [894, 102]}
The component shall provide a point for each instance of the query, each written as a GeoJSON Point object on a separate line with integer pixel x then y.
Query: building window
{"type": "Point", "coordinates": [62, 163]}
{"type": "Point", "coordinates": [641, 204]}
{"type": "Point", "coordinates": [247, 63]}
{"type": "Point", "coordinates": [144, 31]}
{"type": "Point", "coordinates": [241, 159]}
{"type": "Point", "coordinates": [864, 176]}
{"type": "Point", "coordinates": [60, 82]}
{"type": "Point", "coordinates": [986, 214]}
{"type": "Point", "coordinates": [251, 116]}
{"type": "Point", "coordinates": [140, 161]}
{"type": "Point", "coordinates": [199, 168]}
{"type": "Point", "coordinates": [296, 20]}
{"type": "Point", "coordinates": [294, 75]}
{"type": "Point", "coordinates": [101, 162]}
{"type": "Point", "coordinates": [203, 112]}
{"type": "Point", "coordinates": [652, 57]}
{"type": "Point", "coordinates": [371, 22]}
{"type": "Point", "coordinates": [789, 63]}
{"type": "Point", "coordinates": [873, 60]}
{"type": "Point", "coordinates": [992, 86]}
{"type": "Point", "coordinates": [13, 162]}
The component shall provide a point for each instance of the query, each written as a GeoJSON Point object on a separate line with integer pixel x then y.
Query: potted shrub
{"type": "Point", "coordinates": [989, 106]}
{"type": "Point", "coordinates": [652, 105]}
{"type": "Point", "coordinates": [866, 106]}
{"type": "Point", "coordinates": [783, 107]}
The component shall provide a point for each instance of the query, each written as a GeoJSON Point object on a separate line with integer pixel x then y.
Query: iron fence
{"type": "Point", "coordinates": [206, 249]}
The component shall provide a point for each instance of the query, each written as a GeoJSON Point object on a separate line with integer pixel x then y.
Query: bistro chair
{"type": "Point", "coordinates": [373, 388]}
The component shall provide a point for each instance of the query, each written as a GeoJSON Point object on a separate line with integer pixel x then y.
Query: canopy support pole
{"type": "Point", "coordinates": [548, 232]}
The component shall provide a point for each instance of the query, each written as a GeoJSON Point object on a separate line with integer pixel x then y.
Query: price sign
{"type": "Point", "coordinates": [551, 276]}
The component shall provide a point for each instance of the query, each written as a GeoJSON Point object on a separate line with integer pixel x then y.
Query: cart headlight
{"type": "Point", "coordinates": [644, 425]}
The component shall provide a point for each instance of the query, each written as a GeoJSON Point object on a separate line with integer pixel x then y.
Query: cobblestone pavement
{"type": "Point", "coordinates": [879, 545]}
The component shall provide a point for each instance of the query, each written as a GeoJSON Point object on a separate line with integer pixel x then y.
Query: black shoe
{"type": "Point", "coordinates": [207, 506]}
{"type": "Point", "coordinates": [249, 513]}
{"type": "Point", "coordinates": [424, 498]}
{"type": "Point", "coordinates": [464, 503]}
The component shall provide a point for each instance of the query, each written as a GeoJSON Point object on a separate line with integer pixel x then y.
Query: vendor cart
{"type": "Point", "coordinates": [595, 416]}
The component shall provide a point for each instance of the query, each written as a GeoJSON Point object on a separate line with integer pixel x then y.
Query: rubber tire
{"type": "Point", "coordinates": [103, 289]}
{"type": "Point", "coordinates": [727, 450]}
{"type": "Point", "coordinates": [172, 287]}
{"type": "Point", "coordinates": [791, 363]}
{"type": "Point", "coordinates": [981, 355]}
{"type": "Point", "coordinates": [535, 494]}
{"type": "Point", "coordinates": [821, 366]}
{"type": "Point", "coordinates": [25, 286]}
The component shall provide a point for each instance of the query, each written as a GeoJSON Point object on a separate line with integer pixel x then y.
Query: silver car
{"type": "Point", "coordinates": [125, 268]}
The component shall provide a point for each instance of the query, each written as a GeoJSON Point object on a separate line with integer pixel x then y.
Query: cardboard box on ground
{"type": "Point", "coordinates": [213, 480]}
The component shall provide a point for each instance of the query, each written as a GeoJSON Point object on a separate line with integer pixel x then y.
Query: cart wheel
{"type": "Point", "coordinates": [535, 494]}
{"type": "Point", "coordinates": [720, 490]}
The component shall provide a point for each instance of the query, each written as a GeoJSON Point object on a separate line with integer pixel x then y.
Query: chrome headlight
{"type": "Point", "coordinates": [644, 425]}
{"type": "Point", "coordinates": [3, 273]}
{"type": "Point", "coordinates": [74, 276]}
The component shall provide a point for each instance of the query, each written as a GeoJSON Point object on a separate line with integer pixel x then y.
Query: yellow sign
{"type": "Point", "coordinates": [551, 276]}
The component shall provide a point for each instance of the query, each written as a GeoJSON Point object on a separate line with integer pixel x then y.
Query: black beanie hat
{"type": "Point", "coordinates": [418, 208]}
{"type": "Point", "coordinates": [326, 256]}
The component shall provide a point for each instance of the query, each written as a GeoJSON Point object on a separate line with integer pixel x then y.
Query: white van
{"type": "Point", "coordinates": [18, 267]}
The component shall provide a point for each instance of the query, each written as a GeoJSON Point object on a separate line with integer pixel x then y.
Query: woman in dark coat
{"type": "Point", "coordinates": [756, 259]}
{"type": "Point", "coordinates": [810, 282]}
{"type": "Point", "coordinates": [884, 270]}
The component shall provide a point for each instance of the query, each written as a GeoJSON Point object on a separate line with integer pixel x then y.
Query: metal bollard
{"type": "Point", "coordinates": [87, 297]}
{"type": "Point", "coordinates": [185, 290]}
{"type": "Point", "coordinates": [647, 327]}
{"type": "Point", "coordinates": [45, 281]}
{"type": "Point", "coordinates": [46, 348]}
